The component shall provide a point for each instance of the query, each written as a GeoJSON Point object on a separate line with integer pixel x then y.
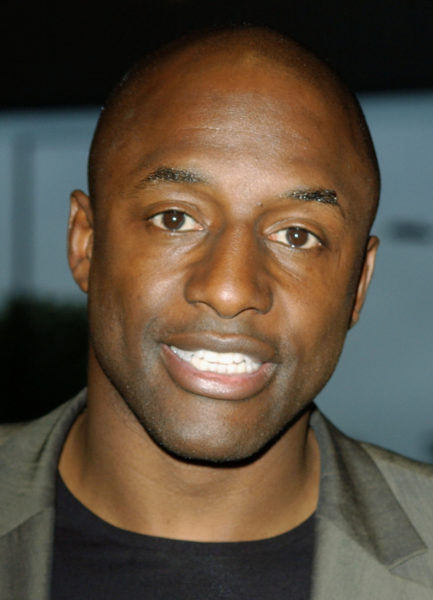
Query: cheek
{"type": "Point", "coordinates": [128, 291]}
{"type": "Point", "coordinates": [316, 314]}
{"type": "Point", "coordinates": [317, 299]}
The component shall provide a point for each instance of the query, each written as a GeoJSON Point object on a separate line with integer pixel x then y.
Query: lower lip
{"type": "Point", "coordinates": [216, 385]}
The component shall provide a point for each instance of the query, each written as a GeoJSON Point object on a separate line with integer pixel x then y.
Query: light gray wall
{"type": "Point", "coordinates": [43, 158]}
{"type": "Point", "coordinates": [383, 388]}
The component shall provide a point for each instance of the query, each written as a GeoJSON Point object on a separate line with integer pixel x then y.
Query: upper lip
{"type": "Point", "coordinates": [255, 348]}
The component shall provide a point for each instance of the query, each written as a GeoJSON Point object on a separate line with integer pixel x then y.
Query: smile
{"type": "Point", "coordinates": [220, 375]}
{"type": "Point", "coordinates": [225, 363]}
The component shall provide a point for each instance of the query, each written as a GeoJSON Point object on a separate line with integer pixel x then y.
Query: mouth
{"type": "Point", "coordinates": [226, 375]}
{"type": "Point", "coordinates": [225, 363]}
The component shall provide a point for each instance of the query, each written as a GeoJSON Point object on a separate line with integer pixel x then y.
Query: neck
{"type": "Point", "coordinates": [115, 469]}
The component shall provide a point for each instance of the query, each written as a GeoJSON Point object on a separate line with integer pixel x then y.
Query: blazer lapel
{"type": "Point", "coordinates": [27, 503]}
{"type": "Point", "coordinates": [26, 574]}
{"type": "Point", "coordinates": [365, 542]}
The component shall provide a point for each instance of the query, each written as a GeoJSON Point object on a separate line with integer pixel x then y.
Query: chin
{"type": "Point", "coordinates": [216, 448]}
{"type": "Point", "coordinates": [211, 456]}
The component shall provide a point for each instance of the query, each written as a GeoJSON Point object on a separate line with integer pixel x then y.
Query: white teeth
{"type": "Point", "coordinates": [227, 363]}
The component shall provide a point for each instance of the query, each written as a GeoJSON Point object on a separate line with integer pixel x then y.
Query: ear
{"type": "Point", "coordinates": [365, 278]}
{"type": "Point", "coordinates": [80, 238]}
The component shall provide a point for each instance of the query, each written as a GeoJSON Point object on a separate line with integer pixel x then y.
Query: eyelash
{"type": "Point", "coordinates": [311, 239]}
{"type": "Point", "coordinates": [157, 220]}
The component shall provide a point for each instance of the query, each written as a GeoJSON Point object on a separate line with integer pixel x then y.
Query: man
{"type": "Point", "coordinates": [225, 250]}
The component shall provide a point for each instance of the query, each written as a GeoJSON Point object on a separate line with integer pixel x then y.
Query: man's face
{"type": "Point", "coordinates": [228, 245]}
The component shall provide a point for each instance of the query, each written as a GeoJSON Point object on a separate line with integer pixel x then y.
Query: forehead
{"type": "Point", "coordinates": [248, 115]}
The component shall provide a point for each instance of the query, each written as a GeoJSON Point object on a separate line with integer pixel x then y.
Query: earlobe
{"type": "Point", "coordinates": [365, 278]}
{"type": "Point", "coordinates": [80, 238]}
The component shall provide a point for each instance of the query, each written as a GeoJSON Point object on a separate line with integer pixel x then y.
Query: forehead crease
{"type": "Point", "coordinates": [233, 98]}
{"type": "Point", "coordinates": [197, 117]}
{"type": "Point", "coordinates": [245, 115]}
{"type": "Point", "coordinates": [212, 99]}
{"type": "Point", "coordinates": [206, 152]}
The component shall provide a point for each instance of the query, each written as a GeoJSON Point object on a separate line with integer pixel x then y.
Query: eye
{"type": "Point", "coordinates": [175, 220]}
{"type": "Point", "coordinates": [296, 237]}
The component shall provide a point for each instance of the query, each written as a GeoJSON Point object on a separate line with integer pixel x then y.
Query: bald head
{"type": "Point", "coordinates": [239, 50]}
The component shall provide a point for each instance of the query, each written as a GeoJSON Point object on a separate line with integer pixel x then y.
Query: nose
{"type": "Point", "coordinates": [230, 278]}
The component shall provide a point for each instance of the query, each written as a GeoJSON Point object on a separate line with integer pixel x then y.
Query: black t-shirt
{"type": "Point", "coordinates": [94, 560]}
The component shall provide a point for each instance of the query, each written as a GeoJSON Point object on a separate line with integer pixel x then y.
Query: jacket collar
{"type": "Point", "coordinates": [27, 483]}
{"type": "Point", "coordinates": [36, 474]}
{"type": "Point", "coordinates": [357, 504]}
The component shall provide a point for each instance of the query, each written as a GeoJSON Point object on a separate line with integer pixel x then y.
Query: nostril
{"type": "Point", "coordinates": [230, 278]}
{"type": "Point", "coordinates": [228, 293]}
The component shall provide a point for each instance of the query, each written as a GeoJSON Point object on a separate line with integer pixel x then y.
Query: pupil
{"type": "Point", "coordinates": [173, 219]}
{"type": "Point", "coordinates": [296, 236]}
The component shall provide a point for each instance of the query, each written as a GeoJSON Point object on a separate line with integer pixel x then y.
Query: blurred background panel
{"type": "Point", "coordinates": [43, 157]}
{"type": "Point", "coordinates": [62, 61]}
{"type": "Point", "coordinates": [382, 390]}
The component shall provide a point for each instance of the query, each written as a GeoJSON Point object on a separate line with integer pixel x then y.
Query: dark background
{"type": "Point", "coordinates": [71, 54]}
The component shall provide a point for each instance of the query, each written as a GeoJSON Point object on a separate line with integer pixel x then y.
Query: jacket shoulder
{"type": "Point", "coordinates": [399, 467]}
{"type": "Point", "coordinates": [28, 462]}
{"type": "Point", "coordinates": [36, 429]}
{"type": "Point", "coordinates": [412, 484]}
{"type": "Point", "coordinates": [7, 429]}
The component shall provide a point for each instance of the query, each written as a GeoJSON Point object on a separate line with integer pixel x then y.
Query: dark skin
{"type": "Point", "coordinates": [234, 220]}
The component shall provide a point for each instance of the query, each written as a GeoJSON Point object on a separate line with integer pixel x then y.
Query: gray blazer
{"type": "Point", "coordinates": [375, 514]}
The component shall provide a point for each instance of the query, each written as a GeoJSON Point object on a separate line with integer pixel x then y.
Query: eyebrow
{"type": "Point", "coordinates": [321, 195]}
{"type": "Point", "coordinates": [173, 175]}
